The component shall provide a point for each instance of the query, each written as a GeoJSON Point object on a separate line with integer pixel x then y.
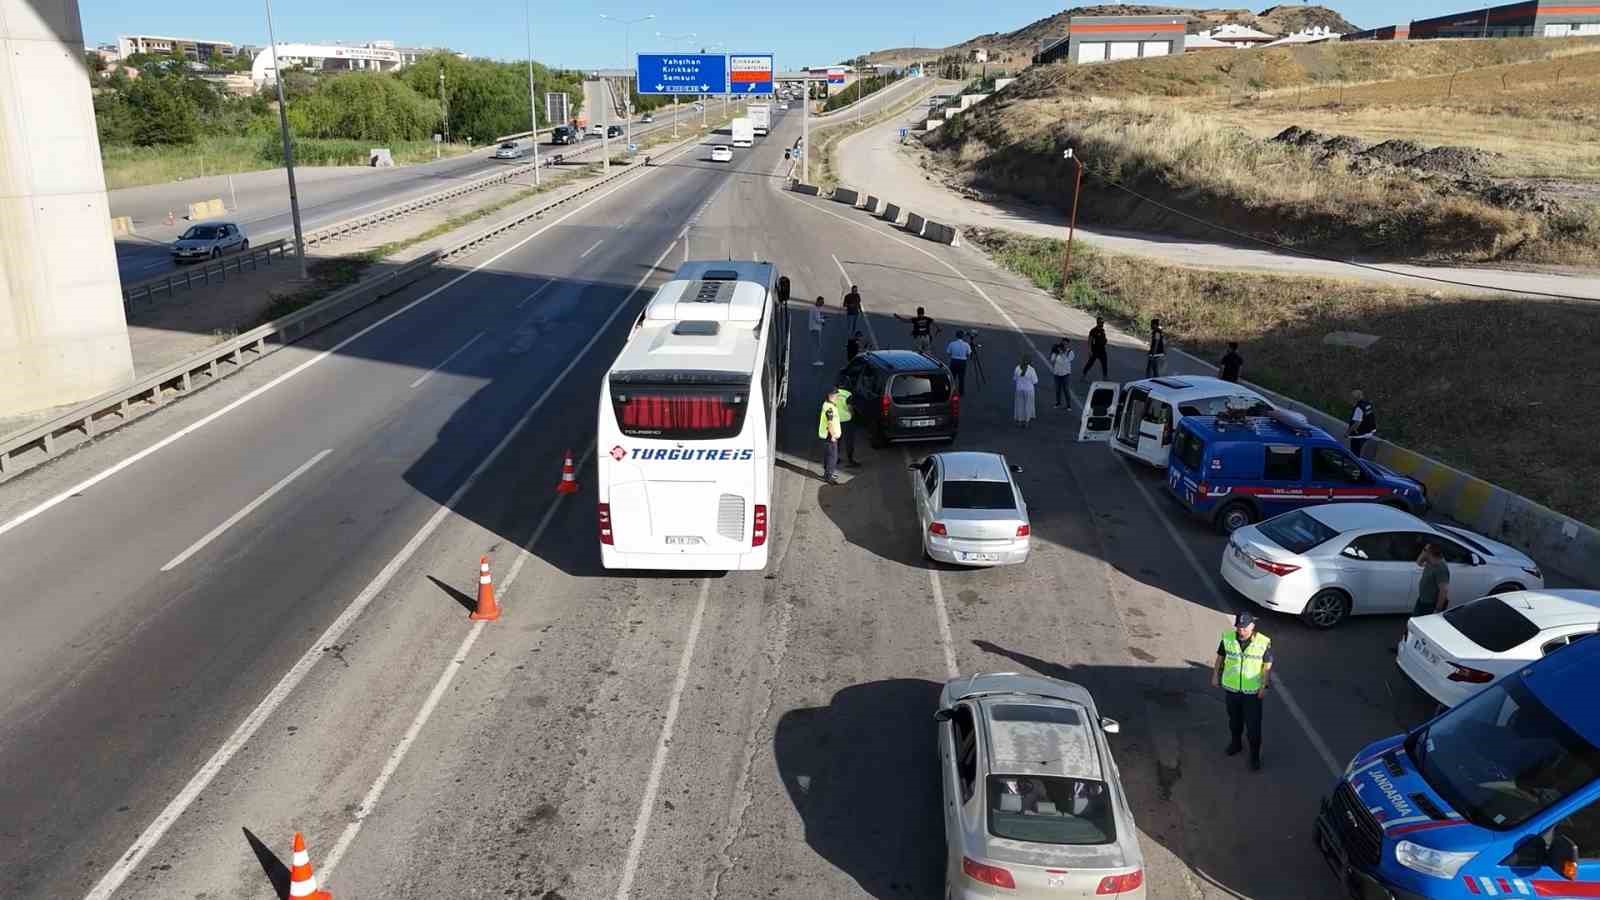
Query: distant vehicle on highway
{"type": "Point", "coordinates": [744, 133]}
{"type": "Point", "coordinates": [565, 134]}
{"type": "Point", "coordinates": [783, 106]}
{"type": "Point", "coordinates": [647, 118]}
{"type": "Point", "coordinates": [597, 129]}
{"type": "Point", "coordinates": [721, 153]}
{"type": "Point", "coordinates": [1033, 802]}
{"type": "Point", "coordinates": [508, 150]}
{"type": "Point", "coordinates": [971, 511]}
{"type": "Point", "coordinates": [208, 240]}
{"type": "Point", "coordinates": [613, 131]}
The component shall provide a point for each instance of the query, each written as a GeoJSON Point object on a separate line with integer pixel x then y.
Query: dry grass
{"type": "Point", "coordinates": [1468, 381]}
{"type": "Point", "coordinates": [825, 139]}
{"type": "Point", "coordinates": [135, 166]}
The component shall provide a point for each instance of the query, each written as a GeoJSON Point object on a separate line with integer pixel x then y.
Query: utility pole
{"type": "Point", "coordinates": [533, 102]}
{"type": "Point", "coordinates": [1066, 264]}
{"type": "Point", "coordinates": [805, 132]}
{"type": "Point", "coordinates": [288, 146]}
{"type": "Point", "coordinates": [627, 49]}
{"type": "Point", "coordinates": [444, 104]}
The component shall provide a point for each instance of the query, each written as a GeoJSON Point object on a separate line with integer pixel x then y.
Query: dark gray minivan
{"type": "Point", "coordinates": [902, 395]}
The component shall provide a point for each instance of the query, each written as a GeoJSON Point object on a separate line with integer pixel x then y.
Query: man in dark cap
{"type": "Point", "coordinates": [1244, 659]}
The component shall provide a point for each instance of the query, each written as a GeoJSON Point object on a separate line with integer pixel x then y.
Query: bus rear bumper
{"type": "Point", "coordinates": [612, 558]}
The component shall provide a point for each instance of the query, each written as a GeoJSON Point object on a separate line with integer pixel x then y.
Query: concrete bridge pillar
{"type": "Point", "coordinates": [63, 335]}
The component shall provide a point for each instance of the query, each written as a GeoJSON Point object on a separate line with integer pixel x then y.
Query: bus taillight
{"type": "Point", "coordinates": [605, 523]}
{"type": "Point", "coordinates": [758, 534]}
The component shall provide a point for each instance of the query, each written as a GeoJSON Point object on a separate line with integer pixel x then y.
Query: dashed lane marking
{"type": "Point", "coordinates": [237, 517]}
{"type": "Point", "coordinates": [460, 350]}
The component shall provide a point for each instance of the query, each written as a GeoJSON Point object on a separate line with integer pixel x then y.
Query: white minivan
{"type": "Point", "coordinates": [1149, 410]}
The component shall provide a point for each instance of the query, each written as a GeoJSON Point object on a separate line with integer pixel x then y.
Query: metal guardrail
{"type": "Point", "coordinates": [117, 407]}
{"type": "Point", "coordinates": [186, 277]}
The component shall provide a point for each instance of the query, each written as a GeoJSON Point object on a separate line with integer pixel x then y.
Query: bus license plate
{"type": "Point", "coordinates": [684, 539]}
{"type": "Point", "coordinates": [917, 423]}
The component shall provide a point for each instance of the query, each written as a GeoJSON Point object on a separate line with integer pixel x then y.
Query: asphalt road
{"type": "Point", "coordinates": [173, 707]}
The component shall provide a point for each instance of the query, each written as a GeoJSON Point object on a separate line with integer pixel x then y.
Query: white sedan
{"type": "Point", "coordinates": [1324, 563]}
{"type": "Point", "coordinates": [1459, 652]}
{"type": "Point", "coordinates": [722, 153]}
{"type": "Point", "coordinates": [972, 512]}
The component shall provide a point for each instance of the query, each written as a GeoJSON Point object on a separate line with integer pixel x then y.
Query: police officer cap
{"type": "Point", "coordinates": [1243, 620]}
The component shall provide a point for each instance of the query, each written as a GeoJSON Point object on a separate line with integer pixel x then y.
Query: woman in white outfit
{"type": "Point", "coordinates": [1024, 379]}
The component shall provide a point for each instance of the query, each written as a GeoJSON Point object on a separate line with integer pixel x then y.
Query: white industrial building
{"type": "Point", "coordinates": [381, 56]}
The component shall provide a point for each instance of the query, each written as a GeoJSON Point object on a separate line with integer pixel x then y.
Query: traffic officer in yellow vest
{"type": "Point", "coordinates": [828, 430]}
{"type": "Point", "coordinates": [847, 428]}
{"type": "Point", "coordinates": [1243, 660]}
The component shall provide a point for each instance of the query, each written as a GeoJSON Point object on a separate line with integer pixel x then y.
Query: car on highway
{"type": "Point", "coordinates": [902, 395]}
{"type": "Point", "coordinates": [613, 131]}
{"type": "Point", "coordinates": [598, 129]}
{"type": "Point", "coordinates": [783, 106]}
{"type": "Point", "coordinates": [1033, 800]}
{"type": "Point", "coordinates": [1326, 563]}
{"type": "Point", "coordinates": [647, 118]}
{"type": "Point", "coordinates": [1457, 653]}
{"type": "Point", "coordinates": [971, 510]}
{"type": "Point", "coordinates": [721, 153]}
{"type": "Point", "coordinates": [508, 150]}
{"type": "Point", "coordinates": [565, 134]}
{"type": "Point", "coordinates": [1149, 410]}
{"type": "Point", "coordinates": [209, 240]}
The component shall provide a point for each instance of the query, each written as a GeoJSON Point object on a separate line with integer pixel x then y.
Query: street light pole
{"type": "Point", "coordinates": [1072, 225]}
{"type": "Point", "coordinates": [685, 38]}
{"type": "Point", "coordinates": [533, 102]}
{"type": "Point", "coordinates": [805, 131]}
{"type": "Point", "coordinates": [288, 146]}
{"type": "Point", "coordinates": [627, 49]}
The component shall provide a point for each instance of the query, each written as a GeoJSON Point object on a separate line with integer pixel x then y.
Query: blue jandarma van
{"type": "Point", "coordinates": [1497, 797]}
{"type": "Point", "coordinates": [1234, 472]}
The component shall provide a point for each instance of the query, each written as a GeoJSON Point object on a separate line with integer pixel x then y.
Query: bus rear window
{"type": "Point", "coordinates": [698, 413]}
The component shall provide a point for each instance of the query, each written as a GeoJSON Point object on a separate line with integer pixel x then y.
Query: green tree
{"type": "Point", "coordinates": [368, 106]}
{"type": "Point", "coordinates": [161, 113]}
{"type": "Point", "coordinates": [487, 99]}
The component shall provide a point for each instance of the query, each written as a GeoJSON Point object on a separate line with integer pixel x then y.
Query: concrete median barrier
{"type": "Point", "coordinates": [121, 225]}
{"type": "Point", "coordinates": [891, 213]}
{"type": "Point", "coordinates": [846, 195]}
{"type": "Point", "coordinates": [915, 223]}
{"type": "Point", "coordinates": [944, 234]}
{"type": "Point", "coordinates": [802, 188]}
{"type": "Point", "coordinates": [871, 204]}
{"type": "Point", "coordinates": [206, 209]}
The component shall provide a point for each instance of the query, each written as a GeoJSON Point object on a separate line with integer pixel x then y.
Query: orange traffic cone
{"type": "Point", "coordinates": [301, 882]}
{"type": "Point", "coordinates": [487, 609]}
{"type": "Point", "coordinates": [569, 477]}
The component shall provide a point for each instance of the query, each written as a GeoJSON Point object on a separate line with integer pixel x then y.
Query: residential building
{"type": "Point", "coordinates": [1534, 18]}
{"type": "Point", "coordinates": [1316, 34]}
{"type": "Point", "coordinates": [978, 55]}
{"type": "Point", "coordinates": [193, 49]}
{"type": "Point", "coordinates": [381, 56]}
{"type": "Point", "coordinates": [1236, 35]}
{"type": "Point", "coordinates": [1093, 39]}
{"type": "Point", "coordinates": [1385, 33]}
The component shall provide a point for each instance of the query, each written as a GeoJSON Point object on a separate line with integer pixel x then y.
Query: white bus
{"type": "Point", "coordinates": [689, 422]}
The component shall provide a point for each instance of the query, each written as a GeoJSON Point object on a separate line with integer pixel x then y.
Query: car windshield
{"type": "Point", "coordinates": [1491, 623]}
{"type": "Point", "coordinates": [1502, 757]}
{"type": "Point", "coordinates": [1043, 809]}
{"type": "Point", "coordinates": [508, 146]}
{"type": "Point", "coordinates": [201, 233]}
{"type": "Point", "coordinates": [978, 495]}
{"type": "Point", "coordinates": [1296, 531]}
{"type": "Point", "coordinates": [1465, 537]}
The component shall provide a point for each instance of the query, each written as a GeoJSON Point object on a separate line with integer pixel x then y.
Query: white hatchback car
{"type": "Point", "coordinates": [1324, 563]}
{"type": "Point", "coordinates": [1149, 410]}
{"type": "Point", "coordinates": [1459, 652]}
{"type": "Point", "coordinates": [972, 512]}
{"type": "Point", "coordinates": [721, 153]}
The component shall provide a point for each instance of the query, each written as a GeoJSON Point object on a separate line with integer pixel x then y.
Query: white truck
{"type": "Point", "coordinates": [760, 118]}
{"type": "Point", "coordinates": [744, 134]}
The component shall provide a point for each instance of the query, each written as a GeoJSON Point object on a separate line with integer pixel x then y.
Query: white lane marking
{"type": "Point", "coordinates": [537, 291]}
{"type": "Point", "coordinates": [147, 840]}
{"type": "Point", "coordinates": [1281, 685]}
{"type": "Point", "coordinates": [462, 349]}
{"type": "Point", "coordinates": [249, 508]}
{"type": "Point", "coordinates": [592, 249]}
{"type": "Point", "coordinates": [457, 661]}
{"type": "Point", "coordinates": [647, 805]}
{"type": "Point", "coordinates": [947, 643]}
{"type": "Point", "coordinates": [201, 423]}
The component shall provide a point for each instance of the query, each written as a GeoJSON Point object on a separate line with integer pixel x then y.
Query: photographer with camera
{"type": "Point", "coordinates": [959, 351]}
{"type": "Point", "coordinates": [1061, 361]}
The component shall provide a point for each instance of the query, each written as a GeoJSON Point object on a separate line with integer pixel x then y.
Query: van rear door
{"type": "Point", "coordinates": [1099, 407]}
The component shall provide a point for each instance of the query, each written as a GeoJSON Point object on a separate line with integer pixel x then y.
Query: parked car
{"type": "Point", "coordinates": [1149, 410]}
{"type": "Point", "coordinates": [1033, 800]}
{"type": "Point", "coordinates": [1457, 653]}
{"type": "Point", "coordinates": [721, 153]}
{"type": "Point", "coordinates": [1324, 563]}
{"type": "Point", "coordinates": [1236, 471]}
{"type": "Point", "coordinates": [902, 395]}
{"type": "Point", "coordinates": [970, 510]}
{"type": "Point", "coordinates": [508, 150]}
{"type": "Point", "coordinates": [209, 240]}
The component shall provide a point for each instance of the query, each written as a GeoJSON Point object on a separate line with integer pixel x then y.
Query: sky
{"type": "Point", "coordinates": [572, 34]}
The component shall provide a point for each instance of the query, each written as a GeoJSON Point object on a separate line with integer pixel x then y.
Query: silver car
{"type": "Point", "coordinates": [508, 150]}
{"type": "Point", "coordinates": [1033, 801]}
{"type": "Point", "coordinates": [971, 510]}
{"type": "Point", "coordinates": [209, 240]}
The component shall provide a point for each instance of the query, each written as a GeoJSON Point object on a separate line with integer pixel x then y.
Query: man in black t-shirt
{"type": "Point", "coordinates": [852, 309]}
{"type": "Point", "coordinates": [1231, 362]}
{"type": "Point", "coordinates": [1097, 348]}
{"type": "Point", "coordinates": [922, 329]}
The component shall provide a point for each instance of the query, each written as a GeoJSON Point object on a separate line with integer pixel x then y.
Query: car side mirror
{"type": "Point", "coordinates": [1564, 856]}
{"type": "Point", "coordinates": [945, 715]}
{"type": "Point", "coordinates": [1016, 470]}
{"type": "Point", "coordinates": [1110, 726]}
{"type": "Point", "coordinates": [1477, 560]}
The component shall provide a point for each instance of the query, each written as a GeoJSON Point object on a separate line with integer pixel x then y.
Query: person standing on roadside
{"type": "Point", "coordinates": [1023, 380]}
{"type": "Point", "coordinates": [1157, 357]}
{"type": "Point", "coordinates": [1231, 363]}
{"type": "Point", "coordinates": [959, 352]}
{"type": "Point", "coordinates": [829, 431]}
{"type": "Point", "coordinates": [852, 309]}
{"type": "Point", "coordinates": [815, 325]}
{"type": "Point", "coordinates": [852, 347]}
{"type": "Point", "coordinates": [1433, 589]}
{"type": "Point", "coordinates": [1363, 425]}
{"type": "Point", "coordinates": [843, 403]}
{"type": "Point", "coordinates": [1244, 659]}
{"type": "Point", "coordinates": [922, 329]}
{"type": "Point", "coordinates": [1062, 359]}
{"type": "Point", "coordinates": [1097, 348]}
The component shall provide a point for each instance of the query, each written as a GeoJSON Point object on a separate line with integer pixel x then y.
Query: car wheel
{"type": "Point", "coordinates": [244, 245]}
{"type": "Point", "coordinates": [216, 252]}
{"type": "Point", "coordinates": [1506, 588]}
{"type": "Point", "coordinates": [1235, 516]}
{"type": "Point", "coordinates": [1326, 608]}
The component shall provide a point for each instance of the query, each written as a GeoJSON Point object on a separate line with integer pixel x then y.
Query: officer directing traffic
{"type": "Point", "coordinates": [1243, 660]}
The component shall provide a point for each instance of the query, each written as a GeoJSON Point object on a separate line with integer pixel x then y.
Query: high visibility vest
{"type": "Point", "coordinates": [822, 420]}
{"type": "Point", "coordinates": [1241, 666]}
{"type": "Point", "coordinates": [843, 406]}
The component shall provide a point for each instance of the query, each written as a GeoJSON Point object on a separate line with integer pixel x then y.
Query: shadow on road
{"type": "Point", "coordinates": [277, 873]}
